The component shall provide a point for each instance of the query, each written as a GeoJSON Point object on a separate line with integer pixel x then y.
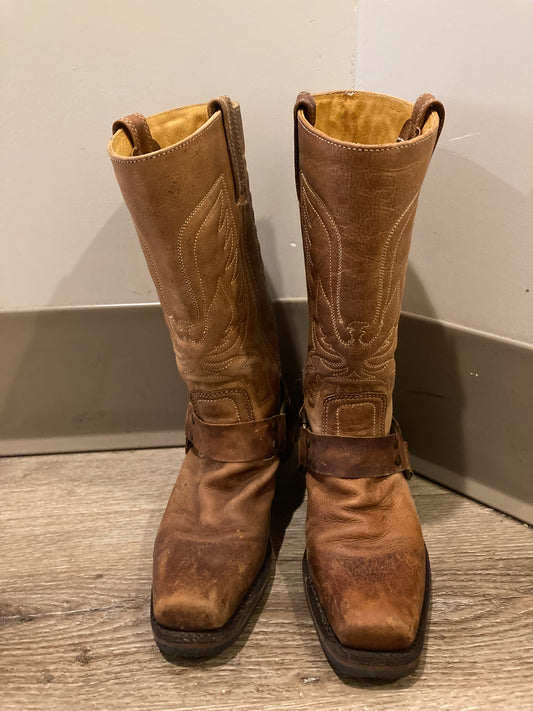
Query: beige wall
{"type": "Point", "coordinates": [472, 256]}
{"type": "Point", "coordinates": [70, 68]}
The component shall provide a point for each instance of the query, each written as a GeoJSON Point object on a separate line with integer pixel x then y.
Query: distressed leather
{"type": "Point", "coordinates": [358, 190]}
{"type": "Point", "coordinates": [354, 457]}
{"type": "Point", "coordinates": [191, 206]}
{"type": "Point", "coordinates": [238, 442]}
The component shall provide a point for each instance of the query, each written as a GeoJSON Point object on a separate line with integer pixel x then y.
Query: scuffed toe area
{"type": "Point", "coordinates": [211, 542]}
{"type": "Point", "coordinates": [189, 610]}
{"type": "Point", "coordinates": [376, 627]}
{"type": "Point", "coordinates": [196, 588]}
{"type": "Point", "coordinates": [372, 603]}
{"type": "Point", "coordinates": [367, 560]}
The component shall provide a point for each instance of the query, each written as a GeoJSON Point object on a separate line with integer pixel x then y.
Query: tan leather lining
{"type": "Point", "coordinates": [363, 117]}
{"type": "Point", "coordinates": [167, 128]}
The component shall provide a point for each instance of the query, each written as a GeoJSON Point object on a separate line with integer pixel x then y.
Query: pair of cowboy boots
{"type": "Point", "coordinates": [360, 163]}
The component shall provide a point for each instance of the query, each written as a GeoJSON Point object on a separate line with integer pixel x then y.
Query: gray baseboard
{"type": "Point", "coordinates": [89, 378]}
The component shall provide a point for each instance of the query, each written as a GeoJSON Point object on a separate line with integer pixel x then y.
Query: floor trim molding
{"type": "Point", "coordinates": [103, 377]}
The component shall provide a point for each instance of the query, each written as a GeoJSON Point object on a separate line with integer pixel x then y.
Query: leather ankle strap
{"type": "Point", "coordinates": [239, 442]}
{"type": "Point", "coordinates": [354, 457]}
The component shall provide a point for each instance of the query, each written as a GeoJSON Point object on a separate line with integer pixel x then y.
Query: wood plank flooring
{"type": "Point", "coordinates": [76, 537]}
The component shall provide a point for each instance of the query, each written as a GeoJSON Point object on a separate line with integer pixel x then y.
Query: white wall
{"type": "Point", "coordinates": [70, 68]}
{"type": "Point", "coordinates": [472, 255]}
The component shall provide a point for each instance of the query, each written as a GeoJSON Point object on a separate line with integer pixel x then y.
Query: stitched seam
{"type": "Point", "coordinates": [364, 399]}
{"type": "Point", "coordinates": [137, 143]}
{"type": "Point", "coordinates": [336, 292]}
{"type": "Point", "coordinates": [237, 160]}
{"type": "Point", "coordinates": [235, 148]}
{"type": "Point", "coordinates": [227, 216]}
{"type": "Point", "coordinates": [381, 277]}
{"type": "Point", "coordinates": [166, 151]}
{"type": "Point", "coordinates": [333, 300]}
{"type": "Point", "coordinates": [226, 394]}
{"type": "Point", "coordinates": [224, 346]}
{"type": "Point", "coordinates": [148, 138]}
{"type": "Point", "coordinates": [199, 272]}
{"type": "Point", "coordinates": [368, 367]}
{"type": "Point", "coordinates": [307, 230]}
{"type": "Point", "coordinates": [395, 147]}
{"type": "Point", "coordinates": [232, 229]}
{"type": "Point", "coordinates": [390, 292]}
{"type": "Point", "coordinates": [210, 362]}
{"type": "Point", "coordinates": [227, 399]}
{"type": "Point", "coordinates": [250, 272]}
{"type": "Point", "coordinates": [206, 308]}
{"type": "Point", "coordinates": [179, 243]}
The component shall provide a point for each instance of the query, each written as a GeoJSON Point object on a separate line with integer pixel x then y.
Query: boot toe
{"type": "Point", "coordinates": [191, 610]}
{"type": "Point", "coordinates": [372, 603]}
{"type": "Point", "coordinates": [375, 626]}
{"type": "Point", "coordinates": [196, 586]}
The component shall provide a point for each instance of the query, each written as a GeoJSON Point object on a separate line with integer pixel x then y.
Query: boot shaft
{"type": "Point", "coordinates": [183, 177]}
{"type": "Point", "coordinates": [361, 159]}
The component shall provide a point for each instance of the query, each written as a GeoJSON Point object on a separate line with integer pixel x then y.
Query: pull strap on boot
{"type": "Point", "coordinates": [137, 131]}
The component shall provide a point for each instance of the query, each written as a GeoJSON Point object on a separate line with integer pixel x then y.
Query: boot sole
{"type": "Point", "coordinates": [361, 663]}
{"type": "Point", "coordinates": [208, 643]}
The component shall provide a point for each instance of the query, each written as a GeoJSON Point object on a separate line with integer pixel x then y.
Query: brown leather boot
{"type": "Point", "coordinates": [183, 176]}
{"type": "Point", "coordinates": [360, 162]}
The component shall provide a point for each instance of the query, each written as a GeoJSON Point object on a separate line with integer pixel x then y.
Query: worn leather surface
{"type": "Point", "coordinates": [354, 457]}
{"type": "Point", "coordinates": [211, 541]}
{"type": "Point", "coordinates": [239, 441]}
{"type": "Point", "coordinates": [138, 133]}
{"type": "Point", "coordinates": [357, 202]}
{"type": "Point", "coordinates": [196, 227]}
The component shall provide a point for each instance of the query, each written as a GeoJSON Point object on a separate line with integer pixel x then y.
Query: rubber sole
{"type": "Point", "coordinates": [202, 644]}
{"type": "Point", "coordinates": [361, 663]}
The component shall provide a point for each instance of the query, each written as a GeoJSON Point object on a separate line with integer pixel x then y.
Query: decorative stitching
{"type": "Point", "coordinates": [219, 399]}
{"type": "Point", "coordinates": [226, 218]}
{"type": "Point", "coordinates": [145, 129]}
{"type": "Point", "coordinates": [382, 268]}
{"type": "Point", "coordinates": [339, 346]}
{"type": "Point", "coordinates": [227, 394]}
{"type": "Point", "coordinates": [133, 128]}
{"type": "Point", "coordinates": [362, 399]}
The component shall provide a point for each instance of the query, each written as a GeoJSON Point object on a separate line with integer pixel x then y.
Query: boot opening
{"type": "Point", "coordinates": [167, 128]}
{"type": "Point", "coordinates": [364, 118]}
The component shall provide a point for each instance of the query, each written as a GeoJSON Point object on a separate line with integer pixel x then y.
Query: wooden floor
{"type": "Point", "coordinates": [77, 534]}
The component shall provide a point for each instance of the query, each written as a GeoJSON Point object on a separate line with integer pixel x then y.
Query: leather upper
{"type": "Point", "coordinates": [212, 540]}
{"type": "Point", "coordinates": [190, 202]}
{"type": "Point", "coordinates": [200, 243]}
{"type": "Point", "coordinates": [357, 206]}
{"type": "Point", "coordinates": [358, 188]}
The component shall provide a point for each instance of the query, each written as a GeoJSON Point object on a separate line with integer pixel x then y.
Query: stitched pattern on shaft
{"type": "Point", "coordinates": [227, 295]}
{"type": "Point", "coordinates": [344, 349]}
